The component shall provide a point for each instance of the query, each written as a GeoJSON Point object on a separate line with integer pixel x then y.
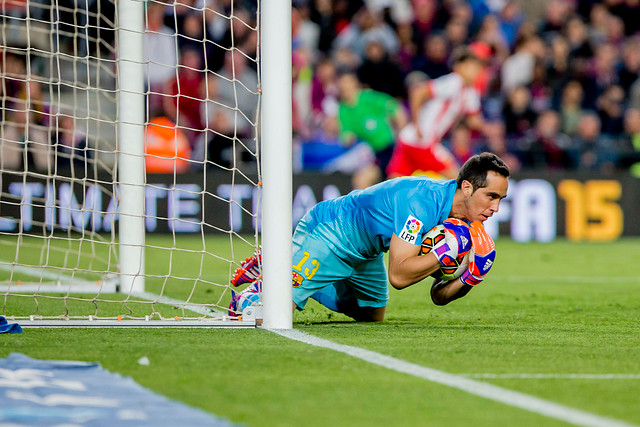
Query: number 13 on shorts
{"type": "Point", "coordinates": [307, 272]}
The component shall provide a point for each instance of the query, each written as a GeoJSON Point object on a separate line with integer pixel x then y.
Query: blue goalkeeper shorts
{"type": "Point", "coordinates": [318, 264]}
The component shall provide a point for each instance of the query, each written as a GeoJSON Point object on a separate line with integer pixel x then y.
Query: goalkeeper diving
{"type": "Point", "coordinates": [339, 245]}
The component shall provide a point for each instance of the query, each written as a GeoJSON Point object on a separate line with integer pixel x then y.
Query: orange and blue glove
{"type": "Point", "coordinates": [457, 241]}
{"type": "Point", "coordinates": [481, 256]}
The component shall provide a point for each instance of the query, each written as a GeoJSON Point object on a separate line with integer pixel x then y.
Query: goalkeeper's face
{"type": "Point", "coordinates": [483, 202]}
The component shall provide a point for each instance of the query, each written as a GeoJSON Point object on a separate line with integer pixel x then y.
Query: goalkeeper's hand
{"type": "Point", "coordinates": [457, 241]}
{"type": "Point", "coordinates": [481, 257]}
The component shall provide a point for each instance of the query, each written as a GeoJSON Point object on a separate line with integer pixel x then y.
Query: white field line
{"type": "Point", "coordinates": [555, 376]}
{"type": "Point", "coordinates": [568, 279]}
{"type": "Point", "coordinates": [41, 272]}
{"type": "Point", "coordinates": [482, 389]}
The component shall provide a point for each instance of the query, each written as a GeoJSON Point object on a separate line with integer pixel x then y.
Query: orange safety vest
{"type": "Point", "coordinates": [166, 147]}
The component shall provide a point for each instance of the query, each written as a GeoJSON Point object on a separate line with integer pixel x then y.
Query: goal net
{"type": "Point", "coordinates": [130, 180]}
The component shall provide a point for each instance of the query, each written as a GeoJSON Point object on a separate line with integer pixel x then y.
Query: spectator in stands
{"type": "Point", "coordinates": [510, 19]}
{"type": "Point", "coordinates": [305, 32]}
{"type": "Point", "coordinates": [16, 88]}
{"type": "Point", "coordinates": [215, 13]}
{"type": "Point", "coordinates": [238, 35]}
{"type": "Point", "coordinates": [496, 142]}
{"type": "Point", "coordinates": [457, 33]}
{"type": "Point", "coordinates": [587, 141]}
{"type": "Point", "coordinates": [571, 107]}
{"type": "Point", "coordinates": [216, 145]}
{"type": "Point", "coordinates": [630, 68]}
{"type": "Point", "coordinates": [365, 115]}
{"type": "Point", "coordinates": [407, 49]}
{"type": "Point", "coordinates": [615, 31]}
{"type": "Point", "coordinates": [379, 73]}
{"type": "Point", "coordinates": [577, 35]}
{"type": "Point", "coordinates": [461, 144]}
{"type": "Point", "coordinates": [237, 89]}
{"type": "Point", "coordinates": [518, 68]}
{"type": "Point", "coordinates": [20, 133]}
{"type": "Point", "coordinates": [598, 20]}
{"type": "Point", "coordinates": [586, 137]}
{"type": "Point", "coordinates": [182, 105]}
{"type": "Point", "coordinates": [322, 14]}
{"type": "Point", "coordinates": [518, 114]}
{"type": "Point", "coordinates": [490, 32]}
{"type": "Point", "coordinates": [365, 27]}
{"type": "Point", "coordinates": [605, 72]}
{"type": "Point", "coordinates": [324, 90]}
{"type": "Point", "coordinates": [424, 19]}
{"type": "Point", "coordinates": [558, 70]}
{"type": "Point", "coordinates": [545, 146]}
{"type": "Point", "coordinates": [161, 56]}
{"type": "Point", "coordinates": [611, 110]}
{"type": "Point", "coordinates": [345, 60]}
{"type": "Point", "coordinates": [555, 15]}
{"type": "Point", "coordinates": [193, 36]}
{"type": "Point", "coordinates": [541, 96]}
{"type": "Point", "coordinates": [433, 60]}
{"type": "Point", "coordinates": [71, 147]}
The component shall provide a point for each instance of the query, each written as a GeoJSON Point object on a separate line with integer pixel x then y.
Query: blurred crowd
{"type": "Point", "coordinates": [560, 89]}
{"type": "Point", "coordinates": [557, 89]}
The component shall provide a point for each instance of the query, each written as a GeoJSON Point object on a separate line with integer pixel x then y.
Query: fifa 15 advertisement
{"type": "Point", "coordinates": [539, 206]}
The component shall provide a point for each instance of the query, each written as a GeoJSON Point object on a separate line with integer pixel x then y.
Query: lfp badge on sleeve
{"type": "Point", "coordinates": [411, 229]}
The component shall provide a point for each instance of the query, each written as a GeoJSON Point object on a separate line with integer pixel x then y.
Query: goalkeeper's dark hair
{"type": "Point", "coordinates": [475, 169]}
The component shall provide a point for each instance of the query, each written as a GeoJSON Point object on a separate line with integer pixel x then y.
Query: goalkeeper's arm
{"type": "Point", "coordinates": [406, 266]}
{"type": "Point", "coordinates": [443, 292]}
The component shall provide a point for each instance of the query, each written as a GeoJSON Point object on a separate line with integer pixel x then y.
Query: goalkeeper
{"type": "Point", "coordinates": [338, 246]}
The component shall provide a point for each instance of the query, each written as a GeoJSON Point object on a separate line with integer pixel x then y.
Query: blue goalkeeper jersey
{"type": "Point", "coordinates": [360, 224]}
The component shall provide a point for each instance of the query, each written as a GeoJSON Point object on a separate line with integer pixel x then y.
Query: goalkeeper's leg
{"type": "Point", "coordinates": [342, 298]}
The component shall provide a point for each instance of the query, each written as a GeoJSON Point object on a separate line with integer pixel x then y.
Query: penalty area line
{"type": "Point", "coordinates": [478, 388]}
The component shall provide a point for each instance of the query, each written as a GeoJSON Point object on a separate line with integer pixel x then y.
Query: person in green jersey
{"type": "Point", "coordinates": [372, 117]}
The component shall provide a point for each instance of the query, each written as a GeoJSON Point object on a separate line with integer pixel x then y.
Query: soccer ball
{"type": "Point", "coordinates": [244, 299]}
{"type": "Point", "coordinates": [434, 238]}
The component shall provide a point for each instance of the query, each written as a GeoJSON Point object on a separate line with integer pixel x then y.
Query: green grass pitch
{"type": "Point", "coordinates": [559, 308]}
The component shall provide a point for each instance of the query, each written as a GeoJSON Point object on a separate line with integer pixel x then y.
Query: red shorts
{"type": "Point", "coordinates": [407, 160]}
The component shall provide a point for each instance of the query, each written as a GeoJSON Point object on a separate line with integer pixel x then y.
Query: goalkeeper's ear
{"type": "Point", "coordinates": [467, 188]}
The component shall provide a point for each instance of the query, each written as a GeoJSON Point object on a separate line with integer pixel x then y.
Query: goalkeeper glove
{"type": "Point", "coordinates": [457, 241]}
{"type": "Point", "coordinates": [481, 257]}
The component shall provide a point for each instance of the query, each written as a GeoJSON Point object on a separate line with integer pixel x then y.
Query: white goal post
{"type": "Point", "coordinates": [131, 164]}
{"type": "Point", "coordinates": [93, 231]}
{"type": "Point", "coordinates": [277, 162]}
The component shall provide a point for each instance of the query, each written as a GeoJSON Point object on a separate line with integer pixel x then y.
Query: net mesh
{"type": "Point", "coordinates": [60, 201]}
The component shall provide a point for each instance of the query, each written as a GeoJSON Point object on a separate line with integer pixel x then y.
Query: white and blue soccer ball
{"type": "Point", "coordinates": [433, 239]}
{"type": "Point", "coordinates": [247, 298]}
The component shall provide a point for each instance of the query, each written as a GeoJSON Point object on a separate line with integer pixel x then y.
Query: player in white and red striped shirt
{"type": "Point", "coordinates": [436, 106]}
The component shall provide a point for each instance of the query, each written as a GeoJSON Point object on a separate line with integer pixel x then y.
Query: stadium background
{"type": "Point", "coordinates": [561, 95]}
